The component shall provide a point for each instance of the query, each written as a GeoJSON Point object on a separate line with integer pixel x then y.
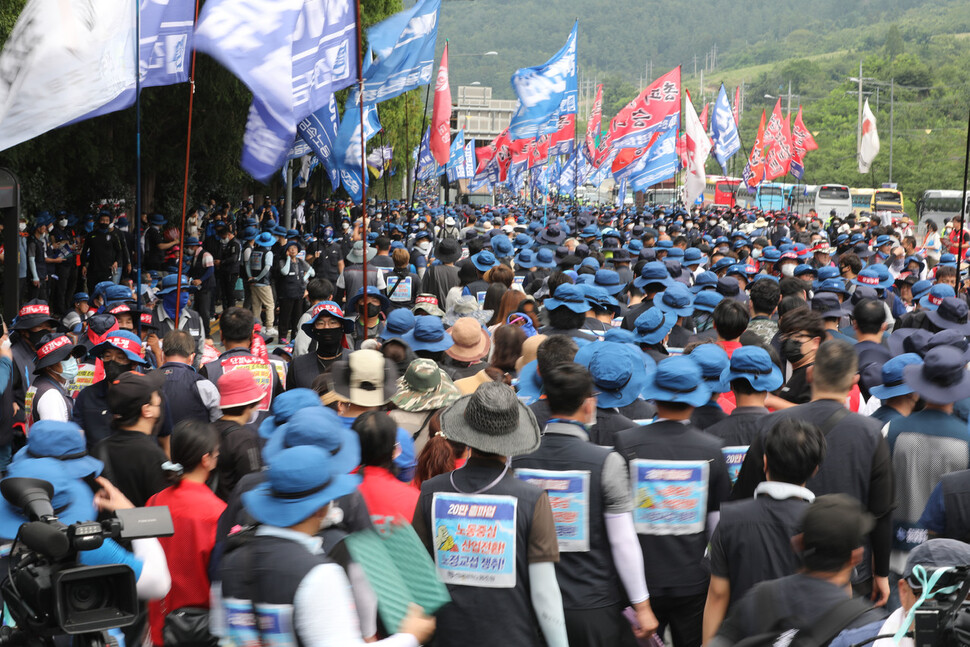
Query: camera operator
{"type": "Point", "coordinates": [931, 555]}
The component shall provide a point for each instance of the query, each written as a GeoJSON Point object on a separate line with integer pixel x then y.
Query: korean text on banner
{"type": "Point", "coordinates": [669, 497]}
{"type": "Point", "coordinates": [474, 539]}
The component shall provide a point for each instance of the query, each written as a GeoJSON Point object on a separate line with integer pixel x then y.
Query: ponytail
{"type": "Point", "coordinates": [439, 454]}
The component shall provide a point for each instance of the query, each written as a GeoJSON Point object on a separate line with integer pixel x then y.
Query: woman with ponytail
{"type": "Point", "coordinates": [440, 455]}
{"type": "Point", "coordinates": [195, 513]}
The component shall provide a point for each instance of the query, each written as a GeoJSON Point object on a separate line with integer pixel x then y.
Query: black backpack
{"type": "Point", "coordinates": [783, 633]}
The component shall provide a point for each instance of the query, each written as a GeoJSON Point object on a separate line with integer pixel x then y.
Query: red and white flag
{"type": "Point", "coordinates": [869, 144]}
{"type": "Point", "coordinates": [778, 159]}
{"type": "Point", "coordinates": [704, 117]}
{"type": "Point", "coordinates": [593, 125]}
{"type": "Point", "coordinates": [737, 106]}
{"type": "Point", "coordinates": [440, 141]}
{"type": "Point", "coordinates": [698, 148]}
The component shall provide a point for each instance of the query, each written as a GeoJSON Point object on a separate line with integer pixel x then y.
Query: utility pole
{"type": "Point", "coordinates": [700, 89]}
{"type": "Point", "coordinates": [789, 96]}
{"type": "Point", "coordinates": [695, 64]}
{"type": "Point", "coordinates": [858, 135]}
{"type": "Point", "coordinates": [892, 95]}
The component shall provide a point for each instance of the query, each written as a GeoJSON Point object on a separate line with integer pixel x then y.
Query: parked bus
{"type": "Point", "coordinates": [666, 197]}
{"type": "Point", "coordinates": [833, 197]}
{"type": "Point", "coordinates": [939, 205]}
{"type": "Point", "coordinates": [802, 198]}
{"type": "Point", "coordinates": [887, 200]}
{"type": "Point", "coordinates": [720, 191]}
{"type": "Point", "coordinates": [861, 200]}
{"type": "Point", "coordinates": [772, 197]}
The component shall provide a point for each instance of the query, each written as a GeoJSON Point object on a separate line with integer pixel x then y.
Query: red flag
{"type": "Point", "coordinates": [778, 160]}
{"type": "Point", "coordinates": [755, 170]}
{"type": "Point", "coordinates": [703, 117]}
{"type": "Point", "coordinates": [737, 106]}
{"type": "Point", "coordinates": [774, 127]}
{"type": "Point", "coordinates": [681, 147]}
{"type": "Point", "coordinates": [440, 141]}
{"type": "Point", "coordinates": [593, 125]}
{"type": "Point", "coordinates": [802, 140]}
{"type": "Point", "coordinates": [654, 109]}
{"type": "Point", "coordinates": [497, 152]}
{"type": "Point", "coordinates": [539, 151]}
{"type": "Point", "coordinates": [561, 141]}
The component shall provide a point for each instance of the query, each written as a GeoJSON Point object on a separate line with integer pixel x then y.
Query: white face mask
{"type": "Point", "coordinates": [788, 270]}
{"type": "Point", "coordinates": [756, 253]}
{"type": "Point", "coordinates": [62, 222]}
{"type": "Point", "coordinates": [253, 416]}
{"type": "Point", "coordinates": [22, 226]}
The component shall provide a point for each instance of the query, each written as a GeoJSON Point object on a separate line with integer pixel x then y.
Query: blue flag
{"type": "Point", "coordinates": [621, 193]}
{"type": "Point", "coordinates": [545, 92]}
{"type": "Point", "coordinates": [517, 174]}
{"type": "Point", "coordinates": [570, 171]}
{"type": "Point", "coordinates": [456, 157]}
{"type": "Point", "coordinates": [427, 166]}
{"type": "Point", "coordinates": [724, 131]}
{"type": "Point", "coordinates": [349, 157]}
{"type": "Point", "coordinates": [298, 149]}
{"type": "Point", "coordinates": [319, 131]}
{"type": "Point", "coordinates": [468, 161]}
{"type": "Point", "coordinates": [599, 175]}
{"type": "Point", "coordinates": [404, 44]}
{"type": "Point", "coordinates": [659, 163]}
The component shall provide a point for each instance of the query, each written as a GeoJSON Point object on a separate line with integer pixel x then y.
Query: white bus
{"type": "Point", "coordinates": [939, 205]}
{"type": "Point", "coordinates": [833, 196]}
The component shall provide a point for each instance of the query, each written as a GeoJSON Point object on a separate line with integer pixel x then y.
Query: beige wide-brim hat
{"type": "Point", "coordinates": [529, 349]}
{"type": "Point", "coordinates": [365, 378]}
{"type": "Point", "coordinates": [471, 341]}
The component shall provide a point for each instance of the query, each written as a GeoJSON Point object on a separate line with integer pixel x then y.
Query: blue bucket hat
{"type": "Point", "coordinates": [299, 481]}
{"type": "Point", "coordinates": [428, 334]}
{"type": "Point", "coordinates": [192, 241]}
{"type": "Point", "coordinates": [569, 296]}
{"type": "Point", "coordinates": [169, 284]}
{"type": "Point", "coordinates": [714, 365]}
{"type": "Point", "coordinates": [157, 219]}
{"type": "Point", "coordinates": [829, 306]}
{"type": "Point", "coordinates": [523, 241]}
{"type": "Point", "coordinates": [327, 309]}
{"type": "Point", "coordinates": [805, 268]}
{"type": "Point", "coordinates": [677, 298]}
{"type": "Point", "coordinates": [317, 426]}
{"type": "Point", "coordinates": [693, 256]}
{"type": "Point", "coordinates": [753, 363]}
{"type": "Point", "coordinates": [545, 258]}
{"type": "Point", "coordinates": [921, 289]}
{"type": "Point", "coordinates": [114, 293]}
{"type": "Point", "coordinates": [942, 378]}
{"type": "Point", "coordinates": [63, 441]}
{"type": "Point", "coordinates": [284, 407]}
{"type": "Point", "coordinates": [653, 325]}
{"type": "Point", "coordinates": [399, 321]}
{"type": "Point", "coordinates": [678, 379]}
{"type": "Point", "coordinates": [620, 335]}
{"type": "Point", "coordinates": [722, 264]}
{"type": "Point", "coordinates": [528, 384]}
{"type": "Point", "coordinates": [525, 259]}
{"type": "Point", "coordinates": [80, 296]}
{"type": "Point", "coordinates": [935, 295]}
{"type": "Point", "coordinates": [265, 239]}
{"type": "Point", "coordinates": [72, 499]}
{"type": "Point", "coordinates": [707, 300]}
{"type": "Point", "coordinates": [874, 276]}
{"type": "Point", "coordinates": [484, 260]}
{"type": "Point", "coordinates": [248, 234]}
{"type": "Point", "coordinates": [125, 341]}
{"type": "Point", "coordinates": [835, 286]}
{"type": "Point", "coordinates": [372, 291]}
{"type": "Point", "coordinates": [653, 272]}
{"type": "Point", "coordinates": [705, 281]}
{"type": "Point", "coordinates": [599, 298]}
{"type": "Point", "coordinates": [609, 281]}
{"type": "Point", "coordinates": [827, 272]}
{"type": "Point", "coordinates": [664, 244]}
{"type": "Point", "coordinates": [619, 371]}
{"type": "Point", "coordinates": [501, 246]}
{"type": "Point", "coordinates": [892, 376]}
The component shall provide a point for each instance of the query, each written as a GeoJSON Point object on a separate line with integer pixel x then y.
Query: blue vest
{"type": "Point", "coordinates": [181, 389]}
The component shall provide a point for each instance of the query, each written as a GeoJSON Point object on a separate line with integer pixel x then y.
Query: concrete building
{"type": "Point", "coordinates": [481, 116]}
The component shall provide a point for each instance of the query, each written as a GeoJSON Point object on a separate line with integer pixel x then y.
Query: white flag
{"type": "Point", "coordinates": [869, 144]}
{"type": "Point", "coordinates": [62, 61]}
{"type": "Point", "coordinates": [698, 148]}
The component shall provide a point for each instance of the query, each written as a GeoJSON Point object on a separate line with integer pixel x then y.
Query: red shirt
{"type": "Point", "coordinates": [386, 496]}
{"type": "Point", "coordinates": [195, 514]}
{"type": "Point", "coordinates": [729, 347]}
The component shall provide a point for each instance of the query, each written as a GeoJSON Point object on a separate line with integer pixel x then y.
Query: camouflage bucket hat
{"type": "Point", "coordinates": [424, 387]}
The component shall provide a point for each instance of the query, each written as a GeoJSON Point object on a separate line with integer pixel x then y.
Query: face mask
{"type": "Point", "coordinates": [253, 416]}
{"type": "Point", "coordinates": [114, 370]}
{"type": "Point", "coordinates": [424, 246]}
{"type": "Point", "coordinates": [328, 340]}
{"type": "Point", "coordinates": [373, 310]}
{"type": "Point", "coordinates": [792, 350]}
{"type": "Point", "coordinates": [788, 270]}
{"type": "Point", "coordinates": [756, 253]}
{"type": "Point", "coordinates": [69, 369]}
{"type": "Point", "coordinates": [62, 222]}
{"type": "Point", "coordinates": [35, 336]}
{"type": "Point", "coordinates": [22, 226]}
{"type": "Point", "coordinates": [345, 226]}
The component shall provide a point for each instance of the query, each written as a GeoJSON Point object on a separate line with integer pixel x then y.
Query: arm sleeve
{"type": "Point", "coordinates": [547, 603]}
{"type": "Point", "coordinates": [155, 580]}
{"type": "Point", "coordinates": [617, 496]}
{"type": "Point", "coordinates": [209, 266]}
{"type": "Point", "coordinates": [286, 266]}
{"type": "Point", "coordinates": [32, 263]}
{"type": "Point", "coordinates": [934, 514]}
{"type": "Point", "coordinates": [6, 372]}
{"type": "Point", "coordinates": [267, 264]}
{"type": "Point", "coordinates": [881, 505]}
{"type": "Point", "coordinates": [330, 620]}
{"type": "Point", "coordinates": [627, 555]}
{"type": "Point", "coordinates": [210, 398]}
{"type": "Point", "coordinates": [365, 600]}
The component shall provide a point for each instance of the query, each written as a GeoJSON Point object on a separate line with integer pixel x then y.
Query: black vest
{"type": "Point", "coordinates": [588, 580]}
{"type": "Point", "coordinates": [42, 385]}
{"type": "Point", "coordinates": [956, 502]}
{"type": "Point", "coordinates": [484, 617]}
{"type": "Point", "coordinates": [291, 283]}
{"type": "Point", "coordinates": [197, 270]}
{"type": "Point", "coordinates": [265, 571]}
{"type": "Point", "coordinates": [181, 390]}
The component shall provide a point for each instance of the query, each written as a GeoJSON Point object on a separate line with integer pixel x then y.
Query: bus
{"type": "Point", "coordinates": [833, 197]}
{"type": "Point", "coordinates": [803, 198]}
{"type": "Point", "coordinates": [887, 200]}
{"type": "Point", "coordinates": [939, 205]}
{"type": "Point", "coordinates": [720, 191]}
{"type": "Point", "coordinates": [666, 197]}
{"type": "Point", "coordinates": [772, 197]}
{"type": "Point", "coordinates": [861, 200]}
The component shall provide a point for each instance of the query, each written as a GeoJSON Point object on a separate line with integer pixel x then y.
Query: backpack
{"type": "Point", "coordinates": [781, 632]}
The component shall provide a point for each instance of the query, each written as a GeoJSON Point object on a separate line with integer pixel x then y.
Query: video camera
{"type": "Point", "coordinates": [944, 620]}
{"type": "Point", "coordinates": [47, 591]}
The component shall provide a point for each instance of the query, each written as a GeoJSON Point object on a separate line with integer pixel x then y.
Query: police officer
{"type": "Point", "coordinates": [598, 547]}
{"type": "Point", "coordinates": [202, 274]}
{"type": "Point", "coordinates": [227, 255]}
{"type": "Point", "coordinates": [103, 252]}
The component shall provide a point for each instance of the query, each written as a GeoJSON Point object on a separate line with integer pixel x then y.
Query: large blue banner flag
{"type": "Point", "coordinates": [404, 44]}
{"type": "Point", "coordinates": [427, 167]}
{"type": "Point", "coordinates": [292, 54]}
{"type": "Point", "coordinates": [545, 92]}
{"type": "Point", "coordinates": [724, 131]}
{"type": "Point", "coordinates": [468, 163]}
{"type": "Point", "coordinates": [456, 157]}
{"type": "Point", "coordinates": [658, 164]}
{"type": "Point", "coordinates": [349, 156]}
{"type": "Point", "coordinates": [319, 132]}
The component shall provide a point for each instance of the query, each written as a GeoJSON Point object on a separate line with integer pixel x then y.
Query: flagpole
{"type": "Point", "coordinates": [185, 184]}
{"type": "Point", "coordinates": [363, 159]}
{"type": "Point", "coordinates": [963, 208]}
{"type": "Point", "coordinates": [383, 162]}
{"type": "Point", "coordinates": [407, 152]}
{"type": "Point", "coordinates": [417, 163]}
{"type": "Point", "coordinates": [138, 154]}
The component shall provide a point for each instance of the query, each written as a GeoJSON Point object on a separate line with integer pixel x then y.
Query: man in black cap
{"type": "Point", "coordinates": [226, 256]}
{"type": "Point", "coordinates": [833, 531]}
{"type": "Point", "coordinates": [857, 461]}
{"type": "Point", "coordinates": [440, 278]}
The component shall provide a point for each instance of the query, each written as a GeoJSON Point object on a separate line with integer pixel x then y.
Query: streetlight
{"type": "Point", "coordinates": [475, 83]}
{"type": "Point", "coordinates": [493, 53]}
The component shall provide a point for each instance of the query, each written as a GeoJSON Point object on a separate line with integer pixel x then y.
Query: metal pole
{"type": "Point", "coordinates": [963, 209]}
{"type": "Point", "coordinates": [407, 153]}
{"type": "Point", "coordinates": [417, 164]}
{"type": "Point", "coordinates": [363, 157]}
{"type": "Point", "coordinates": [892, 96]}
{"type": "Point", "coordinates": [138, 158]}
{"type": "Point", "coordinates": [789, 97]}
{"type": "Point", "coordinates": [858, 136]}
{"type": "Point", "coordinates": [288, 210]}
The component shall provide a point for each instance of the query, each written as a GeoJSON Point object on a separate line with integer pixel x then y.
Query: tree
{"type": "Point", "coordinates": [894, 42]}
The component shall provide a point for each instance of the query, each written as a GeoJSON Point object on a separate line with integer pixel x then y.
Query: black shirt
{"type": "Point", "coordinates": [707, 414]}
{"type": "Point", "coordinates": [739, 428]}
{"type": "Point", "coordinates": [797, 389]}
{"type": "Point", "coordinates": [239, 455]}
{"type": "Point", "coordinates": [133, 462]}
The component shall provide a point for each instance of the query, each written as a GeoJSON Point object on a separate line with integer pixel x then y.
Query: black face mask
{"type": "Point", "coordinates": [792, 350]}
{"type": "Point", "coordinates": [328, 340]}
{"type": "Point", "coordinates": [373, 310]}
{"type": "Point", "coordinates": [114, 370]}
{"type": "Point", "coordinates": [35, 336]}
{"type": "Point", "coordinates": [102, 226]}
